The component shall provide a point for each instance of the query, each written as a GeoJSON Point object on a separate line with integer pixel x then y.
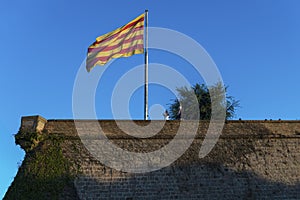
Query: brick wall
{"type": "Point", "coordinates": [251, 160]}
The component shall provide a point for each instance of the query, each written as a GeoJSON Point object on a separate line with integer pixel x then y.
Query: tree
{"type": "Point", "coordinates": [196, 102]}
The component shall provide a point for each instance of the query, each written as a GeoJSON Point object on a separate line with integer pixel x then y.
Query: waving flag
{"type": "Point", "coordinates": [122, 42]}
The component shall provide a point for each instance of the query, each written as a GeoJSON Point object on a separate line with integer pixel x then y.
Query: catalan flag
{"type": "Point", "coordinates": [122, 42]}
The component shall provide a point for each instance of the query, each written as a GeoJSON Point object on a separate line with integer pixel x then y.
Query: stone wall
{"type": "Point", "coordinates": [251, 160]}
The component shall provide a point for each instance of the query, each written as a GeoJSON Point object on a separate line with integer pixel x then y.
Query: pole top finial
{"type": "Point", "coordinates": [146, 10]}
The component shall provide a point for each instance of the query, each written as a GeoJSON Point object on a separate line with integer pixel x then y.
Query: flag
{"type": "Point", "coordinates": [122, 42]}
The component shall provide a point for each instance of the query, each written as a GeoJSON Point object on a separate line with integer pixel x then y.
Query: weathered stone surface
{"type": "Point", "coordinates": [33, 123]}
{"type": "Point", "coordinates": [251, 160]}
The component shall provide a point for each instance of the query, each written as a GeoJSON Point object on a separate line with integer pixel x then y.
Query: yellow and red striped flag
{"type": "Point", "coordinates": [122, 42]}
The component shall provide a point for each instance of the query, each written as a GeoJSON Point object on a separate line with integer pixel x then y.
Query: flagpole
{"type": "Point", "coordinates": [146, 67]}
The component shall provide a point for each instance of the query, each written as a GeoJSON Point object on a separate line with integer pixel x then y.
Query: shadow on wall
{"type": "Point", "coordinates": [249, 161]}
{"type": "Point", "coordinates": [228, 172]}
{"type": "Point", "coordinates": [191, 182]}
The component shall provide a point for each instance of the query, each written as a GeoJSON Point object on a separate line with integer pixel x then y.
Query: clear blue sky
{"type": "Point", "coordinates": [255, 44]}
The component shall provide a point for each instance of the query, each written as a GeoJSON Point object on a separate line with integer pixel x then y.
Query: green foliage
{"type": "Point", "coordinates": [27, 140]}
{"type": "Point", "coordinates": [44, 174]}
{"type": "Point", "coordinates": [197, 102]}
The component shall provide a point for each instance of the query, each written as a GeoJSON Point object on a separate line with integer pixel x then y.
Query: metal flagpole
{"type": "Point", "coordinates": [146, 67]}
